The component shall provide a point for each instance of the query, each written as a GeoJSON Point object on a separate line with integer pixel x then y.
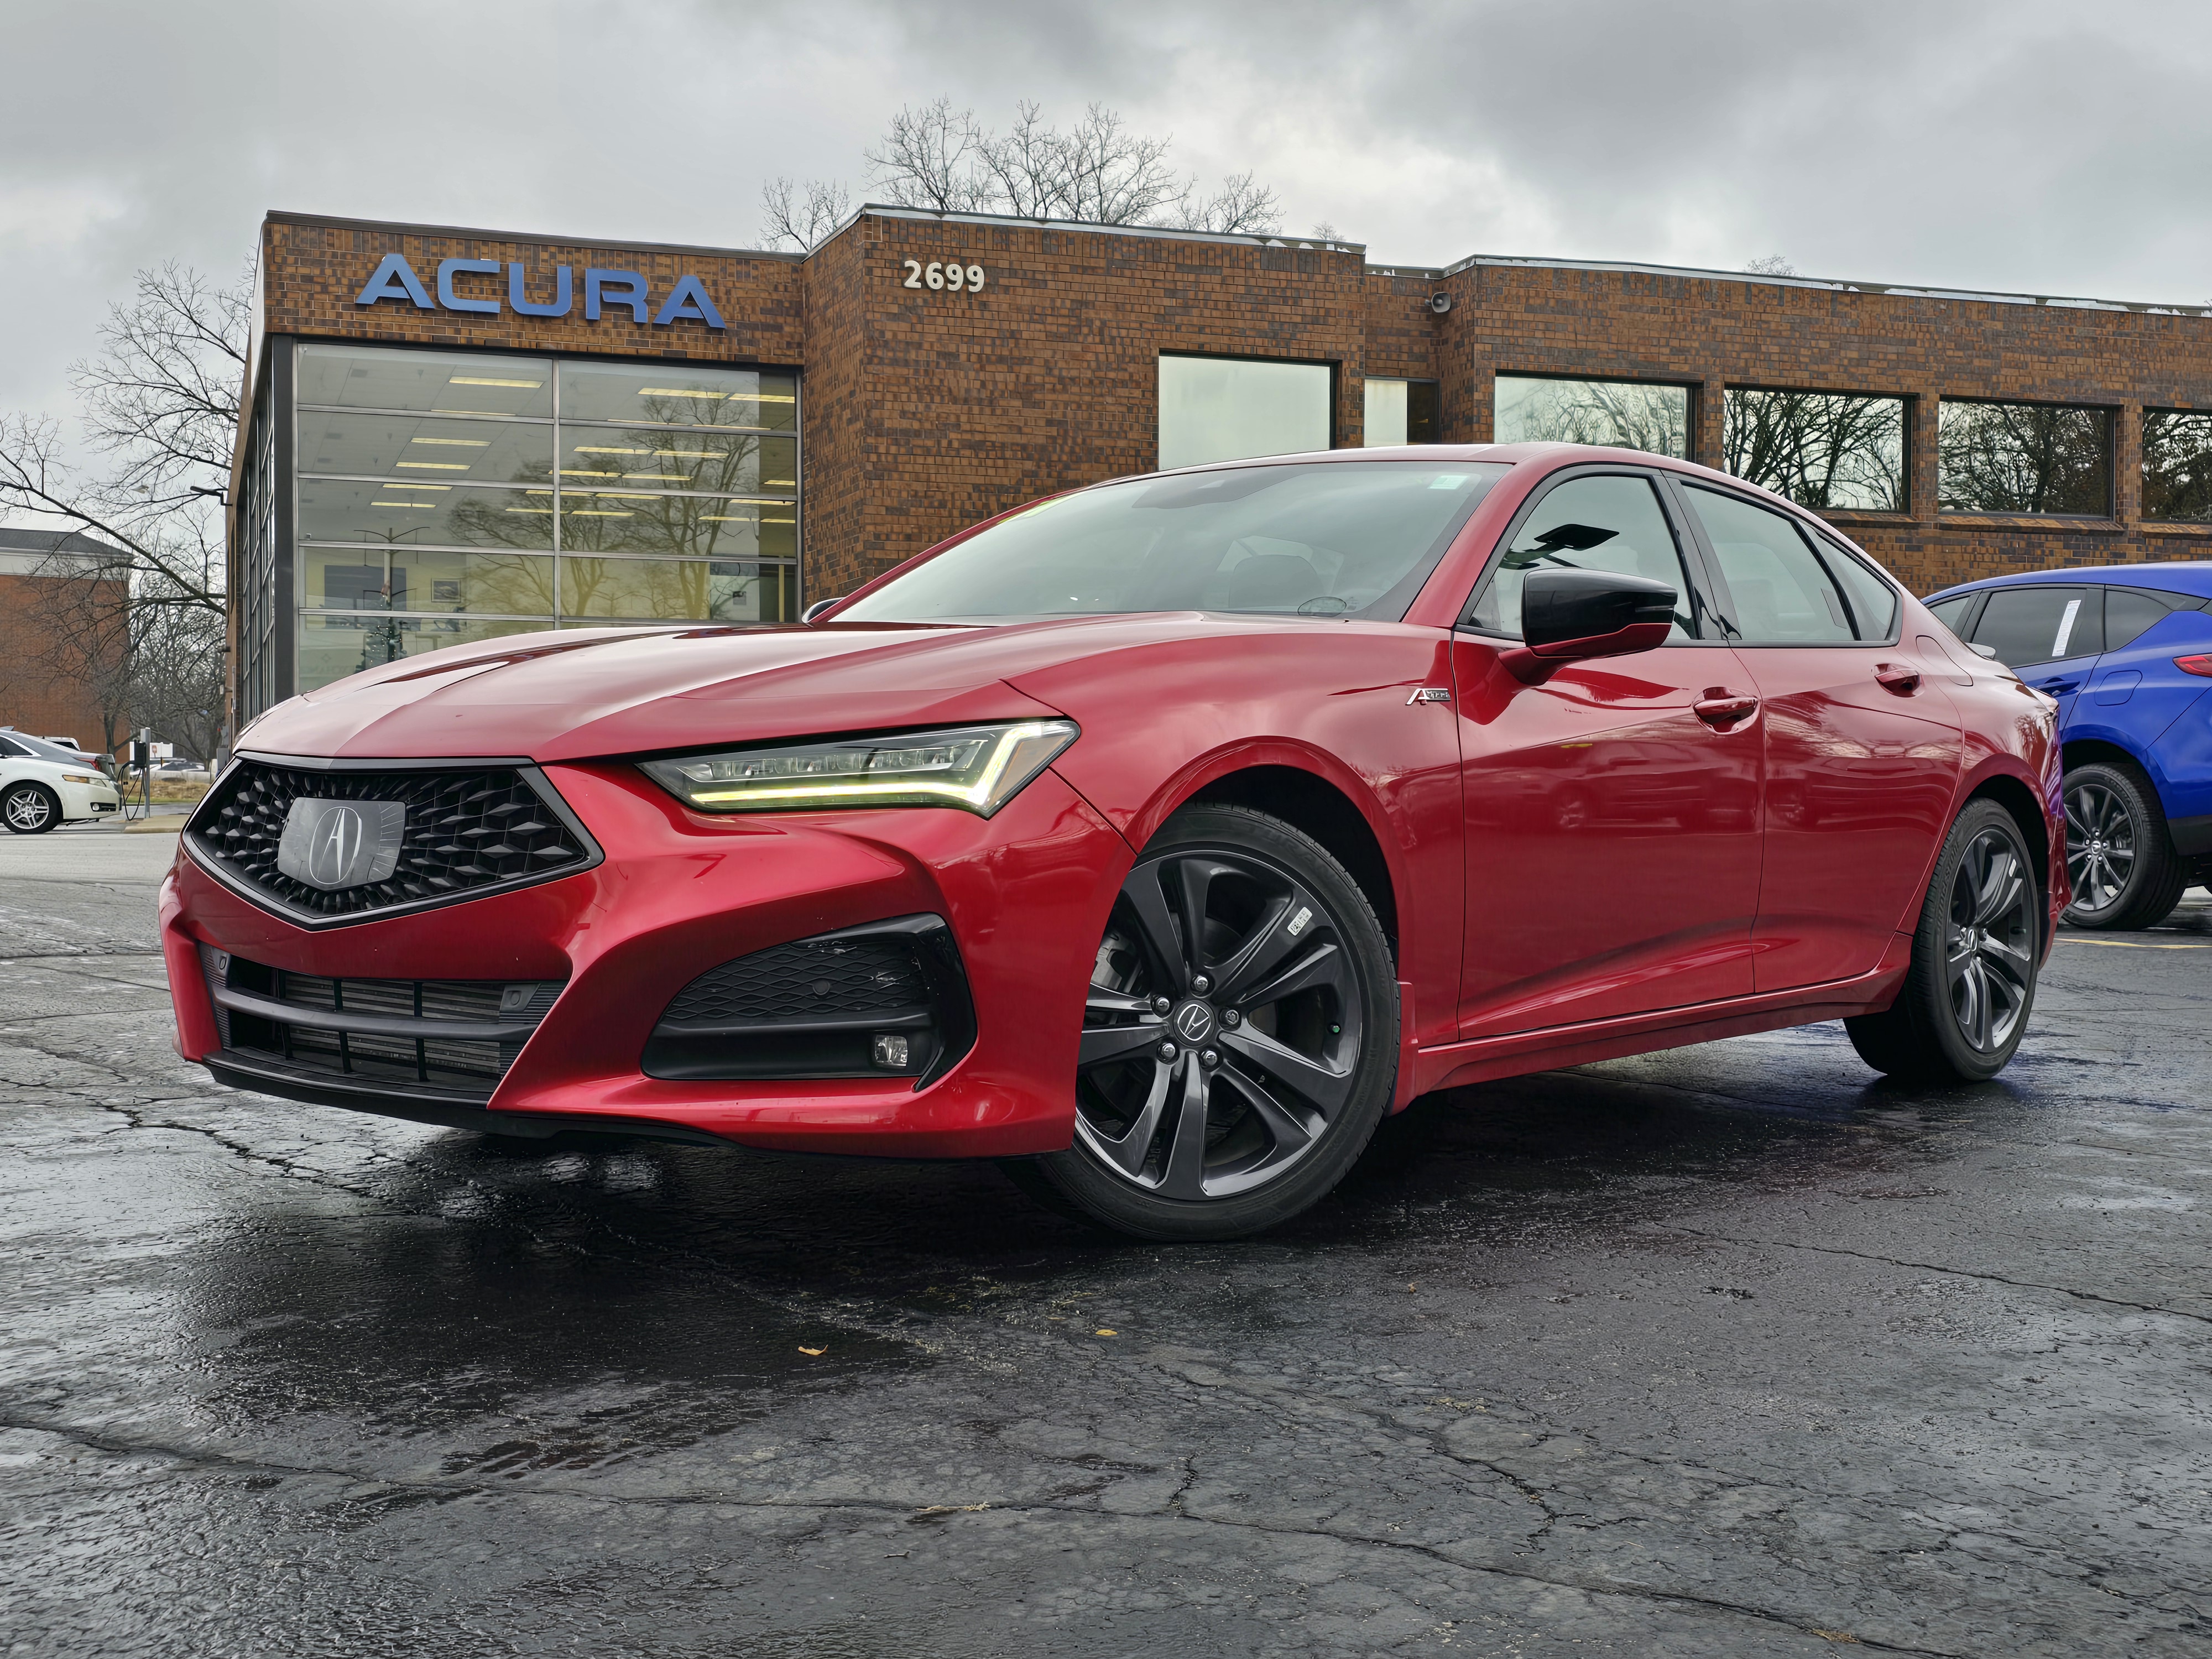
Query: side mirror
{"type": "Point", "coordinates": [1573, 615]}
{"type": "Point", "coordinates": [819, 606]}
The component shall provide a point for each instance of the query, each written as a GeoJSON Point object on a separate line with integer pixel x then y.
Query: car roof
{"type": "Point", "coordinates": [2192, 577]}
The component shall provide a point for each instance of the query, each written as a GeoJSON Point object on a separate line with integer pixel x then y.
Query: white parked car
{"type": "Point", "coordinates": [42, 785]}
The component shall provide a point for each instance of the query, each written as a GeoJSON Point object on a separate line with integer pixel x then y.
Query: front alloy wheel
{"type": "Point", "coordinates": [1239, 1038]}
{"type": "Point", "coordinates": [28, 809]}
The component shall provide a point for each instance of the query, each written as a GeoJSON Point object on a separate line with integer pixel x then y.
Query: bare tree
{"type": "Point", "coordinates": [161, 403]}
{"type": "Point", "coordinates": [2024, 458]}
{"type": "Point", "coordinates": [1096, 172]}
{"type": "Point", "coordinates": [1821, 449]}
{"type": "Point", "coordinates": [1771, 264]}
{"type": "Point", "coordinates": [786, 221]}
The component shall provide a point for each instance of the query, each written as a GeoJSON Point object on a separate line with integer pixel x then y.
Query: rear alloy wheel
{"type": "Point", "coordinates": [1240, 1037]}
{"type": "Point", "coordinates": [1966, 997]}
{"type": "Point", "coordinates": [30, 809]}
{"type": "Point", "coordinates": [2119, 854]}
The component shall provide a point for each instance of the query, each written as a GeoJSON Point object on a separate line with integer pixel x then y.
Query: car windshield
{"type": "Point", "coordinates": [1337, 538]}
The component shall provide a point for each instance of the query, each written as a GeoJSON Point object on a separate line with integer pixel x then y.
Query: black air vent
{"type": "Point", "coordinates": [889, 997]}
{"type": "Point", "coordinates": [440, 1038]}
{"type": "Point", "coordinates": [469, 831]}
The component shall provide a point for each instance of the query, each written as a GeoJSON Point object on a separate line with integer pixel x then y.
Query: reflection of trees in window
{"type": "Point", "coordinates": [1619, 413]}
{"type": "Point", "coordinates": [1819, 449]}
{"type": "Point", "coordinates": [499, 519]}
{"type": "Point", "coordinates": [2176, 464]}
{"type": "Point", "coordinates": [2025, 458]}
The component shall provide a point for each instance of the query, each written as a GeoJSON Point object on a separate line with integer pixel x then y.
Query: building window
{"type": "Point", "coordinates": [2025, 458]}
{"type": "Point", "coordinates": [1400, 412]}
{"type": "Point", "coordinates": [2176, 464]}
{"type": "Point", "coordinates": [1824, 450]}
{"type": "Point", "coordinates": [1227, 409]}
{"type": "Point", "coordinates": [445, 498]}
{"type": "Point", "coordinates": [1623, 414]}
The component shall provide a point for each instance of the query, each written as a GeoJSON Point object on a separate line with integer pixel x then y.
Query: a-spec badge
{"type": "Point", "coordinates": [331, 844]}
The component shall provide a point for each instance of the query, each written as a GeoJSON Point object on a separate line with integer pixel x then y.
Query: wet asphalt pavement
{"type": "Point", "coordinates": [1727, 1351]}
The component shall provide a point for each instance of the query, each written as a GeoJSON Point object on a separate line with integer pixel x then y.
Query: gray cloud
{"type": "Point", "coordinates": [2029, 145]}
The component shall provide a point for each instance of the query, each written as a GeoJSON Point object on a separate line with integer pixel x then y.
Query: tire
{"type": "Point", "coordinates": [1967, 996]}
{"type": "Point", "coordinates": [2119, 855]}
{"type": "Point", "coordinates": [30, 809]}
{"type": "Point", "coordinates": [1222, 1092]}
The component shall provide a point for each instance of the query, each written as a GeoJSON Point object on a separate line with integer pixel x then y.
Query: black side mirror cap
{"type": "Point", "coordinates": [1574, 616]}
{"type": "Point", "coordinates": [818, 607]}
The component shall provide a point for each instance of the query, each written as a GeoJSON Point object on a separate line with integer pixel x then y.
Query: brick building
{"type": "Point", "coordinates": [457, 433]}
{"type": "Point", "coordinates": [61, 597]}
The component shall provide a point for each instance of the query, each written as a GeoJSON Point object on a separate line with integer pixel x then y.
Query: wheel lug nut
{"type": "Point", "coordinates": [1167, 1051]}
{"type": "Point", "coordinates": [1232, 1018]}
{"type": "Point", "coordinates": [1201, 985]}
{"type": "Point", "coordinates": [1209, 1058]}
{"type": "Point", "coordinates": [1161, 1005]}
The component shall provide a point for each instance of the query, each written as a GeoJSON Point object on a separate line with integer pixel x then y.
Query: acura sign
{"type": "Point", "coordinates": [330, 844]}
{"type": "Point", "coordinates": [395, 279]}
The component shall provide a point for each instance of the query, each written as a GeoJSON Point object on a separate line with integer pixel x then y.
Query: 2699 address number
{"type": "Point", "coordinates": [938, 274]}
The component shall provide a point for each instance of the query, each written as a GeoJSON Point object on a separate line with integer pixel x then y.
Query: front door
{"type": "Point", "coordinates": [2049, 636]}
{"type": "Point", "coordinates": [1863, 744]}
{"type": "Point", "coordinates": [1612, 829]}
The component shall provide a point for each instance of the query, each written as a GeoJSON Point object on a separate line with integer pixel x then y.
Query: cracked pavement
{"type": "Point", "coordinates": [1732, 1349]}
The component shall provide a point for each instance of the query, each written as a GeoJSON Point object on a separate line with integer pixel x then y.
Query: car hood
{"type": "Point", "coordinates": [581, 694]}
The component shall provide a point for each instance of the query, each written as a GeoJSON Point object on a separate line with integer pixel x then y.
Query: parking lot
{"type": "Point", "coordinates": [1730, 1350]}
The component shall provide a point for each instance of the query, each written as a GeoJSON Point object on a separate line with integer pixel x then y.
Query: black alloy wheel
{"type": "Point", "coordinates": [2118, 855]}
{"type": "Point", "coordinates": [1966, 997]}
{"type": "Point", "coordinates": [30, 809]}
{"type": "Point", "coordinates": [1240, 1036]}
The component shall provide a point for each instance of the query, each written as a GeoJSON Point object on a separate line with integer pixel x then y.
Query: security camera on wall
{"type": "Point", "coordinates": [1440, 303]}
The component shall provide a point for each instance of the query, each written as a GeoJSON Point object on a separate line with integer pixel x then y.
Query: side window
{"type": "Point", "coordinates": [2129, 612]}
{"type": "Point", "coordinates": [1608, 523]}
{"type": "Point", "coordinates": [1952, 613]}
{"type": "Point", "coordinates": [1874, 601]}
{"type": "Point", "coordinates": [1783, 595]}
{"type": "Point", "coordinates": [13, 751]}
{"type": "Point", "coordinates": [2027, 625]}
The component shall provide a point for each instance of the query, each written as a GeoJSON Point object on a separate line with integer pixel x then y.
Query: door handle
{"type": "Point", "coordinates": [1896, 677]}
{"type": "Point", "coordinates": [2057, 685]}
{"type": "Point", "coordinates": [1722, 707]}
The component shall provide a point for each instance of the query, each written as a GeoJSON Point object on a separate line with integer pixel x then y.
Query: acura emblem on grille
{"type": "Point", "coordinates": [331, 844]}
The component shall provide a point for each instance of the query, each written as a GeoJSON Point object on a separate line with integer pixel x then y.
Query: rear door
{"type": "Point", "coordinates": [1862, 746]}
{"type": "Point", "coordinates": [2049, 636]}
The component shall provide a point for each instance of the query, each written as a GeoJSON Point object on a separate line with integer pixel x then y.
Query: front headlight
{"type": "Point", "coordinates": [81, 777]}
{"type": "Point", "coordinates": [978, 768]}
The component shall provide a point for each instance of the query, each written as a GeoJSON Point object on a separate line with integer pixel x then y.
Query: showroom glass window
{"type": "Point", "coordinates": [2024, 458]}
{"type": "Point", "coordinates": [1400, 412]}
{"type": "Point", "coordinates": [1232, 409]}
{"type": "Point", "coordinates": [2177, 465]}
{"type": "Point", "coordinates": [1621, 414]}
{"type": "Point", "coordinates": [1824, 450]}
{"type": "Point", "coordinates": [448, 497]}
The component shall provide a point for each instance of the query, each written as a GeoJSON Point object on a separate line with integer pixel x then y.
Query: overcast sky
{"type": "Point", "coordinates": [2051, 148]}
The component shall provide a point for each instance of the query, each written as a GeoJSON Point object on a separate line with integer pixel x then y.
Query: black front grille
{"type": "Point", "coordinates": [816, 1007]}
{"type": "Point", "coordinates": [469, 830]}
{"type": "Point", "coordinates": [452, 1037]}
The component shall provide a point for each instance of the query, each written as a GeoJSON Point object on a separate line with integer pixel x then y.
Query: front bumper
{"type": "Point", "coordinates": [1025, 894]}
{"type": "Point", "coordinates": [88, 800]}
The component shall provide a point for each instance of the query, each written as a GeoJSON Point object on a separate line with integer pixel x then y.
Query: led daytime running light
{"type": "Point", "coordinates": [974, 769]}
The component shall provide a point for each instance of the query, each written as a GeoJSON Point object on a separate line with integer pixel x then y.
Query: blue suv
{"type": "Point", "coordinates": [2127, 652]}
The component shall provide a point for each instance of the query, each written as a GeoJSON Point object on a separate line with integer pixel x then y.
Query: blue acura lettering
{"type": "Point", "coordinates": [395, 279]}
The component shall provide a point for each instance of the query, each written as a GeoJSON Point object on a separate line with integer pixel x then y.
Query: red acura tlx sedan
{"type": "Point", "coordinates": [1158, 838]}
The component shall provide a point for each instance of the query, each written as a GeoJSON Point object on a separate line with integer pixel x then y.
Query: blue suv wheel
{"type": "Point", "coordinates": [2122, 862]}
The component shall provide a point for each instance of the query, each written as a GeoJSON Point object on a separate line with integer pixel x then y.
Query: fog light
{"type": "Point", "coordinates": [891, 1051]}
